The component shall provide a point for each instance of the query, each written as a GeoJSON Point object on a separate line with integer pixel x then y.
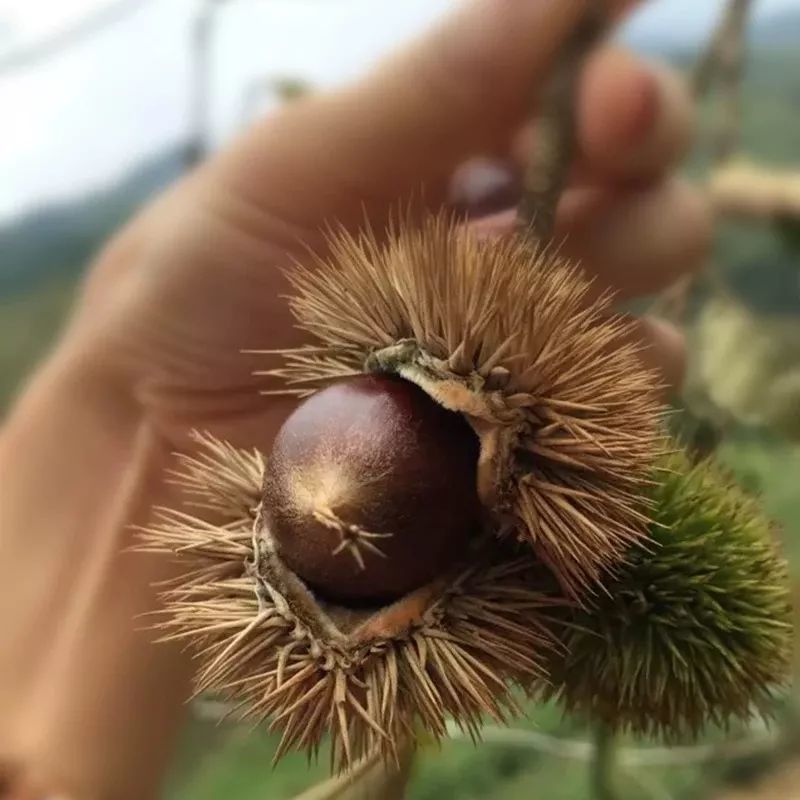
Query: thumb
{"type": "Point", "coordinates": [461, 90]}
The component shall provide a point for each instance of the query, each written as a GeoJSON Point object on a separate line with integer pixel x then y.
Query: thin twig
{"type": "Point", "coordinates": [201, 55]}
{"type": "Point", "coordinates": [705, 68]}
{"type": "Point", "coordinates": [555, 134]}
{"type": "Point", "coordinates": [749, 191]}
{"type": "Point", "coordinates": [370, 779]}
{"type": "Point", "coordinates": [722, 59]}
{"type": "Point", "coordinates": [724, 47]}
{"type": "Point", "coordinates": [337, 786]}
{"type": "Point", "coordinates": [578, 750]}
{"type": "Point", "coordinates": [731, 71]}
{"type": "Point", "coordinates": [603, 764]}
{"type": "Point", "coordinates": [86, 28]}
{"type": "Point", "coordinates": [649, 785]}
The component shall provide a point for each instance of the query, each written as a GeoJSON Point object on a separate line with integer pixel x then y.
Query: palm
{"type": "Point", "coordinates": [176, 308]}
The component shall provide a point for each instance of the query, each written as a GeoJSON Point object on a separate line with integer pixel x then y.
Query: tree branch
{"type": "Point", "coordinates": [579, 750]}
{"type": "Point", "coordinates": [749, 191]}
{"type": "Point", "coordinates": [723, 59]}
{"type": "Point", "coordinates": [732, 49]}
{"type": "Point", "coordinates": [371, 779]}
{"type": "Point", "coordinates": [602, 765]}
{"type": "Point", "coordinates": [555, 134]}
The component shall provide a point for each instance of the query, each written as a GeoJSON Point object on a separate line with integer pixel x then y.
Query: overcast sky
{"type": "Point", "coordinates": [80, 119]}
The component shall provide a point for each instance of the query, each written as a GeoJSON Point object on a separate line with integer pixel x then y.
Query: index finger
{"type": "Point", "coordinates": [463, 89]}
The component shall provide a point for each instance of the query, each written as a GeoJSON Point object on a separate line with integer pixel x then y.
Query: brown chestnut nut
{"type": "Point", "coordinates": [370, 490]}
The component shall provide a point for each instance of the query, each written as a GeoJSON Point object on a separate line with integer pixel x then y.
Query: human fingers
{"type": "Point", "coordinates": [461, 90]}
{"type": "Point", "coordinates": [635, 123]}
{"type": "Point", "coordinates": [662, 347]}
{"type": "Point", "coordinates": [633, 241]}
{"type": "Point", "coordinates": [635, 119]}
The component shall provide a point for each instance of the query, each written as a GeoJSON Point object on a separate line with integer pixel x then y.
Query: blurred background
{"type": "Point", "coordinates": [108, 101]}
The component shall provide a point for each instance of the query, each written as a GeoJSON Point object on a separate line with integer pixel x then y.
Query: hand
{"type": "Point", "coordinates": [154, 348]}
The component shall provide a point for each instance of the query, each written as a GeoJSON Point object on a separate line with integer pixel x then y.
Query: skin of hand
{"type": "Point", "coordinates": [153, 349]}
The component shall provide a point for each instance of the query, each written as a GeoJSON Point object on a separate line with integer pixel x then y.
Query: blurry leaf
{"type": "Point", "coordinates": [788, 229]}
{"type": "Point", "coordinates": [288, 88]}
{"type": "Point", "coordinates": [744, 189]}
{"type": "Point", "coordinates": [750, 365]}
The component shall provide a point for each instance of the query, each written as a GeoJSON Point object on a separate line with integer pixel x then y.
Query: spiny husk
{"type": "Point", "coordinates": [567, 415]}
{"type": "Point", "coordinates": [454, 649]}
{"type": "Point", "coordinates": [696, 629]}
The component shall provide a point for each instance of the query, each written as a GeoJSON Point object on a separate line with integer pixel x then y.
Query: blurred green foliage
{"type": "Point", "coordinates": [29, 322]}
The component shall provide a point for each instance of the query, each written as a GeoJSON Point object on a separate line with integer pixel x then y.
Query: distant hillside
{"type": "Point", "coordinates": [57, 241]}
{"type": "Point", "coordinates": [61, 238]}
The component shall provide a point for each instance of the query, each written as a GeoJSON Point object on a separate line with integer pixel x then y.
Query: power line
{"type": "Point", "coordinates": [88, 26]}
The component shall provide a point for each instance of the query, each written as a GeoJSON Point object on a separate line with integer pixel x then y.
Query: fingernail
{"type": "Point", "coordinates": [660, 125]}
{"type": "Point", "coordinates": [645, 107]}
{"type": "Point", "coordinates": [484, 186]}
